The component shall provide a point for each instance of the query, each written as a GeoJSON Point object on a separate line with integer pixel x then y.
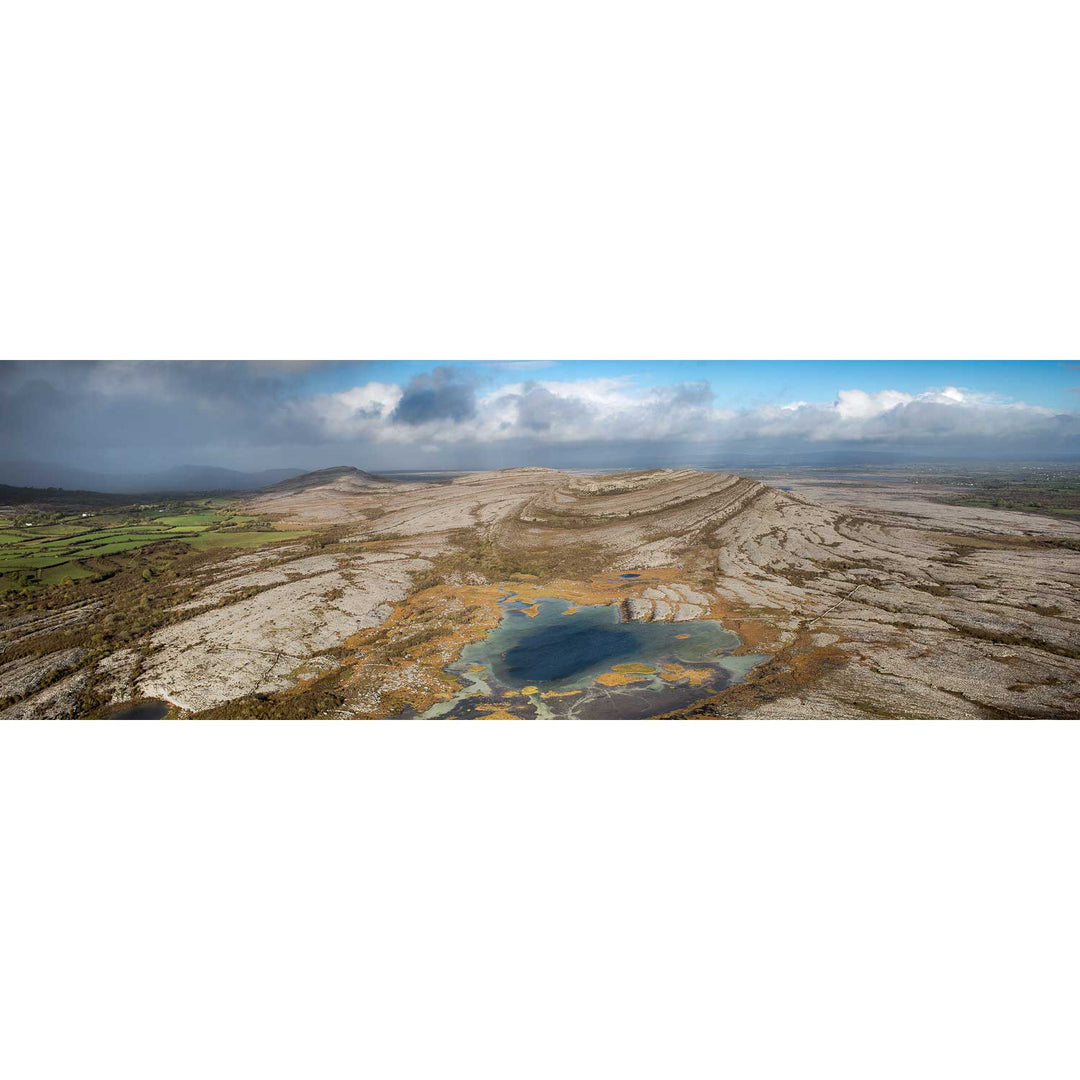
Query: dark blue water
{"type": "Point", "coordinates": [629, 575]}
{"type": "Point", "coordinates": [146, 709]}
{"type": "Point", "coordinates": [557, 652]}
{"type": "Point", "coordinates": [560, 651]}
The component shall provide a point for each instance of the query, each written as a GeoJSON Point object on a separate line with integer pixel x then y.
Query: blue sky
{"type": "Point", "coordinates": [753, 383]}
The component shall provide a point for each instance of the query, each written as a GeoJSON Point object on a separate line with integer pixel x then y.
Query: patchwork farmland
{"type": "Point", "coordinates": [46, 548]}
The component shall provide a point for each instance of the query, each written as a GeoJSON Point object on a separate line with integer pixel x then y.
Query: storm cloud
{"type": "Point", "coordinates": [444, 394]}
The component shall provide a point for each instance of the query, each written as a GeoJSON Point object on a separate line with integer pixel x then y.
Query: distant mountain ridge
{"type": "Point", "coordinates": [37, 474]}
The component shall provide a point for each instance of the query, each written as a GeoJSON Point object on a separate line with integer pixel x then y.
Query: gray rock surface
{"type": "Point", "coordinates": [262, 643]}
{"type": "Point", "coordinates": [20, 677]}
{"type": "Point", "coordinates": [56, 702]}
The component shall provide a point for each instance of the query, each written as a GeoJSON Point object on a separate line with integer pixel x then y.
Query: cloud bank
{"type": "Point", "coordinates": [132, 416]}
{"type": "Point", "coordinates": [442, 409]}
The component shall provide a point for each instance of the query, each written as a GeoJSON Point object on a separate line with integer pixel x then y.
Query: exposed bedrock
{"type": "Point", "coordinates": [870, 605]}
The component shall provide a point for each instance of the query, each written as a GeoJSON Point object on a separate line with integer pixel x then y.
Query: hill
{"type": "Point", "coordinates": [341, 477]}
{"type": "Point", "coordinates": [60, 497]}
{"type": "Point", "coordinates": [181, 478]}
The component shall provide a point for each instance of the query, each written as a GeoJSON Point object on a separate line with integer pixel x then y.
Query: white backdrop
{"type": "Point", "coordinates": [579, 178]}
{"type": "Point", "coordinates": [484, 900]}
{"type": "Point", "coordinates": [490, 180]}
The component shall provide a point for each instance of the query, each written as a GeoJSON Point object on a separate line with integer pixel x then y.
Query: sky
{"type": "Point", "coordinates": [139, 416]}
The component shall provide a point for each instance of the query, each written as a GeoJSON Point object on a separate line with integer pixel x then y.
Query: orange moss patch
{"type": "Point", "coordinates": [618, 678]}
{"type": "Point", "coordinates": [758, 628]}
{"type": "Point", "coordinates": [681, 637]}
{"type": "Point", "coordinates": [496, 712]}
{"type": "Point", "coordinates": [560, 693]}
{"type": "Point", "coordinates": [676, 673]}
{"type": "Point", "coordinates": [633, 668]}
{"type": "Point", "coordinates": [529, 690]}
{"type": "Point", "coordinates": [571, 611]}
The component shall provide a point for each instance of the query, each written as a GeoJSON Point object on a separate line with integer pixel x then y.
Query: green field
{"type": "Point", "coordinates": [57, 546]}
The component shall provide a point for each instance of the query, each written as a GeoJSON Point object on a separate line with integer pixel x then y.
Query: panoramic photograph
{"type": "Point", "coordinates": [540, 540]}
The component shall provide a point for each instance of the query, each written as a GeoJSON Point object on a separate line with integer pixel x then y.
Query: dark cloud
{"type": "Point", "coordinates": [138, 414]}
{"type": "Point", "coordinates": [444, 394]}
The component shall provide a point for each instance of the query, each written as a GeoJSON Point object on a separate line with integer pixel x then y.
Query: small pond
{"type": "Point", "coordinates": [553, 659]}
{"type": "Point", "coordinates": [143, 709]}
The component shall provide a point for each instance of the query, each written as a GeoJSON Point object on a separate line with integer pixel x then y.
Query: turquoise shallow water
{"type": "Point", "coordinates": [558, 653]}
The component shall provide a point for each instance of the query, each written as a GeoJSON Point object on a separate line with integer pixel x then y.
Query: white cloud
{"type": "Point", "coordinates": [361, 410]}
{"type": "Point", "coordinates": [608, 410]}
{"type": "Point", "coordinates": [859, 405]}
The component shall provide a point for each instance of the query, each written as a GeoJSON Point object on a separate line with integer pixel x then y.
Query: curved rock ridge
{"type": "Point", "coordinates": [645, 493]}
